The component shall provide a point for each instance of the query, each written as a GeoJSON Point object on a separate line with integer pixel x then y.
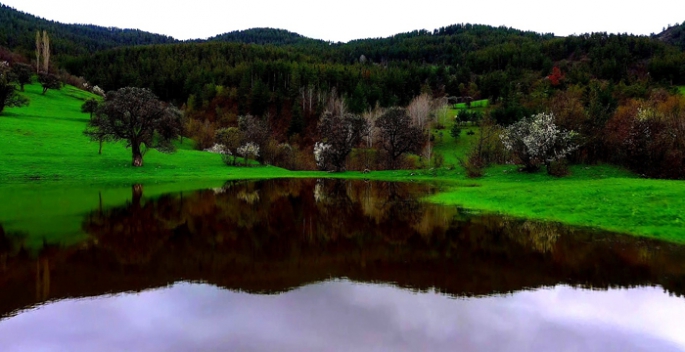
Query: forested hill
{"type": "Point", "coordinates": [266, 36]}
{"type": "Point", "coordinates": [18, 33]}
{"type": "Point", "coordinates": [674, 35]}
{"type": "Point", "coordinates": [474, 60]}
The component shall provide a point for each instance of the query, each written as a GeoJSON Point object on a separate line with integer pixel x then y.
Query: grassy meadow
{"type": "Point", "coordinates": [48, 167]}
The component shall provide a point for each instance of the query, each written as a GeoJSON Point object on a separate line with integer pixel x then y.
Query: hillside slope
{"type": "Point", "coordinates": [45, 141]}
{"type": "Point", "coordinates": [18, 32]}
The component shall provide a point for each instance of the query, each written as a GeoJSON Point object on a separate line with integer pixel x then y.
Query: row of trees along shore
{"type": "Point", "coordinates": [598, 98]}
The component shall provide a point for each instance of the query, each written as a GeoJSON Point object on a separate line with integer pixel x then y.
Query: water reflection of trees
{"type": "Point", "coordinates": [276, 235]}
{"type": "Point", "coordinates": [306, 230]}
{"type": "Point", "coordinates": [137, 230]}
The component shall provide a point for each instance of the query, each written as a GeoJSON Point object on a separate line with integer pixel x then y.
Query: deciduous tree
{"type": "Point", "coordinates": [398, 136]}
{"type": "Point", "coordinates": [341, 133]}
{"type": "Point", "coordinates": [136, 116]}
{"type": "Point", "coordinates": [22, 73]}
{"type": "Point", "coordinates": [49, 81]}
{"type": "Point", "coordinates": [537, 140]}
{"type": "Point", "coordinates": [90, 106]}
{"type": "Point", "coordinates": [8, 91]}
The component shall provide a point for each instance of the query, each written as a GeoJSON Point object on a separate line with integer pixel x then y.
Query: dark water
{"type": "Point", "coordinates": [336, 266]}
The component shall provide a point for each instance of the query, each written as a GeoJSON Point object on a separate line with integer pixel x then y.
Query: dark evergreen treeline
{"type": "Point", "coordinates": [472, 60]}
{"type": "Point", "coordinates": [266, 36]}
{"type": "Point", "coordinates": [18, 33]}
{"type": "Point", "coordinates": [175, 72]}
{"type": "Point", "coordinates": [674, 35]}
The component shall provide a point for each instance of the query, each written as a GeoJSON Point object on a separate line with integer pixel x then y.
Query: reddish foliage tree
{"type": "Point", "coordinates": [556, 77]}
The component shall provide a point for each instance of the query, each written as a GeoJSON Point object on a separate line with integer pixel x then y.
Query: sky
{"type": "Point", "coordinates": [355, 19]}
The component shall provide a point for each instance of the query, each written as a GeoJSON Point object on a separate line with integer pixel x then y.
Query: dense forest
{"type": "Point", "coordinates": [674, 35]}
{"type": "Point", "coordinates": [607, 88]}
{"type": "Point", "coordinates": [18, 31]}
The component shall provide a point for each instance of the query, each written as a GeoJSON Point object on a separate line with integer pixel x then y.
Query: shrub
{"type": "Point", "coordinates": [202, 132]}
{"type": "Point", "coordinates": [455, 132]}
{"type": "Point", "coordinates": [559, 168]}
{"type": "Point", "coordinates": [437, 160]}
{"type": "Point", "coordinates": [473, 165]}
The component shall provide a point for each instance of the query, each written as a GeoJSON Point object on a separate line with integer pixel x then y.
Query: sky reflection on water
{"type": "Point", "coordinates": [345, 316]}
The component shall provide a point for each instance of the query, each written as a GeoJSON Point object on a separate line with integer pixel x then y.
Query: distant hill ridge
{"type": "Point", "coordinates": [674, 35]}
{"type": "Point", "coordinates": [265, 36]}
{"type": "Point", "coordinates": [18, 32]}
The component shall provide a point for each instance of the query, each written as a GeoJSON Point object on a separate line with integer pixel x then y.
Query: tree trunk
{"type": "Point", "coordinates": [137, 155]}
{"type": "Point", "coordinates": [100, 151]}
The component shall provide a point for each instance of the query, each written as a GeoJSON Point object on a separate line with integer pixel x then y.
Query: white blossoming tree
{"type": "Point", "coordinates": [538, 140]}
{"type": "Point", "coordinates": [321, 155]}
{"type": "Point", "coordinates": [248, 151]}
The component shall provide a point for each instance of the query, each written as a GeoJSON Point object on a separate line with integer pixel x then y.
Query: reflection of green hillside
{"type": "Point", "coordinates": [54, 212]}
{"type": "Point", "coordinates": [270, 237]}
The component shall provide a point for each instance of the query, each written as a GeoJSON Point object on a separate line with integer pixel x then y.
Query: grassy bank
{"type": "Point", "coordinates": [599, 197]}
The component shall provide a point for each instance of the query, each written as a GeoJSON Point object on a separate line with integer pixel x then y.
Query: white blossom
{"type": "Point", "coordinates": [97, 90]}
{"type": "Point", "coordinates": [219, 149]}
{"type": "Point", "coordinates": [321, 154]}
{"type": "Point", "coordinates": [249, 150]}
{"type": "Point", "coordinates": [538, 139]}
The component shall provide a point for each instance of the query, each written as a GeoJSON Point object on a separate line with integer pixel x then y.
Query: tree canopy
{"type": "Point", "coordinates": [138, 117]}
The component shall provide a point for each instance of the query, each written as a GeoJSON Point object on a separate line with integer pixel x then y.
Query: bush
{"type": "Point", "coordinates": [437, 160]}
{"type": "Point", "coordinates": [559, 168]}
{"type": "Point", "coordinates": [469, 116]}
{"type": "Point", "coordinates": [455, 132]}
{"type": "Point", "coordinates": [202, 132]}
{"type": "Point", "coordinates": [473, 165]}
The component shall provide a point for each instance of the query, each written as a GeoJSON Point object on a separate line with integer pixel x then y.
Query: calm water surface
{"type": "Point", "coordinates": [335, 266]}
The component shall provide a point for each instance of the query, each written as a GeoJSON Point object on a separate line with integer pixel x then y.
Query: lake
{"type": "Point", "coordinates": [326, 265]}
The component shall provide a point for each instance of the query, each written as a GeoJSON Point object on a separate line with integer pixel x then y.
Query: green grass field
{"type": "Point", "coordinates": [476, 104]}
{"type": "Point", "coordinates": [599, 197]}
{"type": "Point", "coordinates": [48, 167]}
{"type": "Point", "coordinates": [44, 141]}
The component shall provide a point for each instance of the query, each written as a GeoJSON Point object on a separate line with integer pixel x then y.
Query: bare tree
{"type": "Point", "coordinates": [397, 135]}
{"type": "Point", "coordinates": [46, 52]}
{"type": "Point", "coordinates": [370, 134]}
{"type": "Point", "coordinates": [38, 51]}
{"type": "Point", "coordinates": [419, 110]}
{"type": "Point", "coordinates": [42, 52]}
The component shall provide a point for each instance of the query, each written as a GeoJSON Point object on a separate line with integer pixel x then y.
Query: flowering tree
{"type": "Point", "coordinates": [321, 151]}
{"type": "Point", "coordinates": [229, 139]}
{"type": "Point", "coordinates": [249, 151]}
{"type": "Point", "coordinates": [537, 140]}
